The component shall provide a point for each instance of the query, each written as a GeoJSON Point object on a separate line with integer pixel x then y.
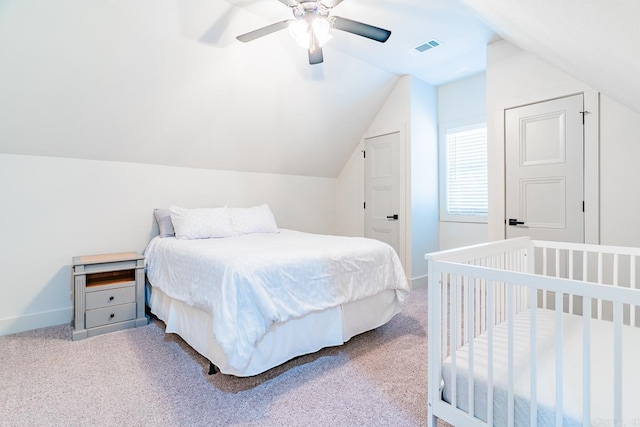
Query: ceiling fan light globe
{"type": "Point", "coordinates": [320, 26]}
{"type": "Point", "coordinates": [323, 39]}
{"type": "Point", "coordinates": [304, 40]}
{"type": "Point", "coordinates": [298, 28]}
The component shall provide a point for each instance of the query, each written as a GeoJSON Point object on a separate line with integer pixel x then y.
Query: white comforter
{"type": "Point", "coordinates": [249, 282]}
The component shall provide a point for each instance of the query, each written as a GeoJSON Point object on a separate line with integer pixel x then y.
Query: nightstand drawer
{"type": "Point", "coordinates": [111, 297]}
{"type": "Point", "coordinates": [107, 315]}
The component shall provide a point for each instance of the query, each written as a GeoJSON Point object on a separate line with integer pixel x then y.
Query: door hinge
{"type": "Point", "coordinates": [364, 154]}
{"type": "Point", "coordinates": [584, 113]}
{"type": "Point", "coordinates": [364, 205]}
{"type": "Point", "coordinates": [583, 206]}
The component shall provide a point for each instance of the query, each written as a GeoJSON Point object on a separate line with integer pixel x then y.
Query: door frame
{"type": "Point", "coordinates": [395, 144]}
{"type": "Point", "coordinates": [404, 224]}
{"type": "Point", "coordinates": [591, 171]}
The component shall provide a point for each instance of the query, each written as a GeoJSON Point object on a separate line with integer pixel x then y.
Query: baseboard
{"type": "Point", "coordinates": [13, 325]}
{"type": "Point", "coordinates": [419, 282]}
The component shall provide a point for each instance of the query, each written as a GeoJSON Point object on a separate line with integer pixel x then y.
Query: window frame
{"type": "Point", "coordinates": [458, 126]}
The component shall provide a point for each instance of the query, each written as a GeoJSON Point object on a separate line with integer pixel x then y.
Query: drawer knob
{"type": "Point", "coordinates": [111, 298]}
{"type": "Point", "coordinates": [112, 316]}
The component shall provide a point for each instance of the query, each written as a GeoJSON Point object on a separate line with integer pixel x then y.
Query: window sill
{"type": "Point", "coordinates": [465, 219]}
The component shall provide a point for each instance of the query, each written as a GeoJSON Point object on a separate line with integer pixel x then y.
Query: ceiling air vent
{"type": "Point", "coordinates": [431, 44]}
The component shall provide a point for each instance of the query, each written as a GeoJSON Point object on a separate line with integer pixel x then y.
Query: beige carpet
{"type": "Point", "coordinates": [140, 377]}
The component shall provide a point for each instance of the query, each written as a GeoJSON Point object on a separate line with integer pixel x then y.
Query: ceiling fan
{"type": "Point", "coordinates": [311, 27]}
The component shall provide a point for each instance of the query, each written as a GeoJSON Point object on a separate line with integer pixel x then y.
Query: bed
{"type": "Point", "coordinates": [258, 296]}
{"type": "Point", "coordinates": [526, 333]}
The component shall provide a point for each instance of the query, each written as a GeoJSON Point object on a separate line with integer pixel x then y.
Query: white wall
{"type": "Point", "coordinates": [56, 208]}
{"type": "Point", "coordinates": [411, 109]}
{"type": "Point", "coordinates": [619, 174]}
{"type": "Point", "coordinates": [423, 177]}
{"type": "Point", "coordinates": [460, 104]}
{"type": "Point", "coordinates": [350, 196]}
{"type": "Point", "coordinates": [515, 77]}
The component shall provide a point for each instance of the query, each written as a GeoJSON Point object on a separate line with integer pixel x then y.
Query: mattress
{"type": "Point", "coordinates": [601, 371]}
{"type": "Point", "coordinates": [252, 284]}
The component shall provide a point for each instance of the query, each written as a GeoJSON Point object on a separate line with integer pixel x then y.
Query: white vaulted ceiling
{"type": "Point", "coordinates": [167, 82]}
{"type": "Point", "coordinates": [595, 41]}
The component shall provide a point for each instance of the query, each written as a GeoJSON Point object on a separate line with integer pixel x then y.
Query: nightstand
{"type": "Point", "coordinates": [108, 293]}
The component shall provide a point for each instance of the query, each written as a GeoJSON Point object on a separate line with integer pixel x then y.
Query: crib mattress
{"type": "Point", "coordinates": [602, 365]}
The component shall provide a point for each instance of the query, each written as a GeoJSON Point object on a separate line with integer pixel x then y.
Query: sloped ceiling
{"type": "Point", "coordinates": [167, 83]}
{"type": "Point", "coordinates": [595, 41]}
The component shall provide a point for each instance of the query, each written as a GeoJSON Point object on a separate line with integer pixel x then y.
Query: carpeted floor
{"type": "Point", "coordinates": [140, 377]}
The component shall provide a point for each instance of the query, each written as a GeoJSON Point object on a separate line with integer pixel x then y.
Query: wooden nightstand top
{"type": "Point", "coordinates": [106, 258]}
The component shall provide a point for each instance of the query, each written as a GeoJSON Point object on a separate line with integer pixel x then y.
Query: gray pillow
{"type": "Point", "coordinates": [165, 226]}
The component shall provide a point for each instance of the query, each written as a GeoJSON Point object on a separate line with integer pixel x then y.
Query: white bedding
{"type": "Point", "coordinates": [249, 282]}
{"type": "Point", "coordinates": [601, 372]}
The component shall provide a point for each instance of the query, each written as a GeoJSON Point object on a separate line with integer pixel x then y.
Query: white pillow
{"type": "Point", "coordinates": [201, 223]}
{"type": "Point", "coordinates": [258, 219]}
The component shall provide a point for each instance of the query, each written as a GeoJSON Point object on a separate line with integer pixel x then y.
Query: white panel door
{"type": "Point", "coordinates": [382, 182]}
{"type": "Point", "coordinates": [544, 170]}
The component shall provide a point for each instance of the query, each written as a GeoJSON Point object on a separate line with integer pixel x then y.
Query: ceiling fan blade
{"type": "Point", "coordinates": [315, 57]}
{"type": "Point", "coordinates": [365, 30]}
{"type": "Point", "coordinates": [260, 32]}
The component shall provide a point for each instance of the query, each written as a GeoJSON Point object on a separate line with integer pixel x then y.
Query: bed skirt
{"type": "Point", "coordinates": [283, 341]}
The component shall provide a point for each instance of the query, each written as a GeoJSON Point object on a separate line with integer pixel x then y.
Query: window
{"type": "Point", "coordinates": [464, 195]}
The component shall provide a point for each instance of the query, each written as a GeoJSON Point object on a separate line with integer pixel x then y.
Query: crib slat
{"type": "Point", "coordinates": [600, 282]}
{"type": "Point", "coordinates": [633, 285]}
{"type": "Point", "coordinates": [617, 364]}
{"type": "Point", "coordinates": [483, 303]}
{"type": "Point", "coordinates": [500, 313]}
{"type": "Point", "coordinates": [544, 273]}
{"type": "Point", "coordinates": [571, 278]}
{"type": "Point", "coordinates": [586, 361]}
{"type": "Point", "coordinates": [533, 402]}
{"type": "Point", "coordinates": [559, 358]}
{"type": "Point", "coordinates": [444, 307]}
{"type": "Point", "coordinates": [501, 298]}
{"type": "Point", "coordinates": [453, 331]}
{"type": "Point", "coordinates": [615, 270]}
{"type": "Point", "coordinates": [510, 398]}
{"type": "Point", "coordinates": [463, 331]}
{"type": "Point", "coordinates": [470, 307]}
{"type": "Point", "coordinates": [490, 321]}
{"type": "Point", "coordinates": [477, 306]}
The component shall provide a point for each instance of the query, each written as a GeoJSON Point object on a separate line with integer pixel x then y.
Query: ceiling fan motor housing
{"type": "Point", "coordinates": [310, 9]}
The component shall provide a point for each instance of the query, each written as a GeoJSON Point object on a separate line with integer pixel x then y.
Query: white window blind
{"type": "Point", "coordinates": [466, 176]}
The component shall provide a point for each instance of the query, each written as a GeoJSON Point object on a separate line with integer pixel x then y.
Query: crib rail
{"type": "Point", "coordinates": [473, 290]}
{"type": "Point", "coordinates": [607, 265]}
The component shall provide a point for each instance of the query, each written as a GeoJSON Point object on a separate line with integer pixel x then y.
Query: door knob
{"type": "Point", "coordinates": [392, 217]}
{"type": "Point", "coordinates": [514, 222]}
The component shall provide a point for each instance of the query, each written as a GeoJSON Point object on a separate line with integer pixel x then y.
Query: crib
{"type": "Point", "coordinates": [534, 333]}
